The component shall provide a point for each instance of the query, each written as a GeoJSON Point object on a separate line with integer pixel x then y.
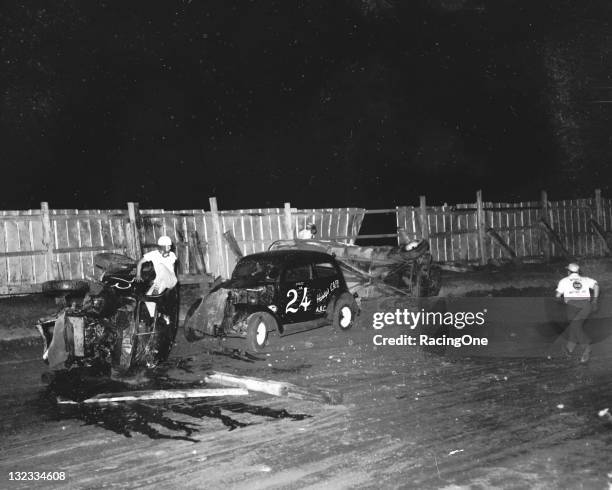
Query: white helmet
{"type": "Point", "coordinates": [164, 241]}
{"type": "Point", "coordinates": [573, 267]}
{"type": "Point", "coordinates": [412, 245]}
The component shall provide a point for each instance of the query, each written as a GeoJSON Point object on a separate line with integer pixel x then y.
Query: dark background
{"type": "Point", "coordinates": [320, 103]}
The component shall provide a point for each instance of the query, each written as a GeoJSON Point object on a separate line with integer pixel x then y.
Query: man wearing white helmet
{"type": "Point", "coordinates": [163, 260]}
{"type": "Point", "coordinates": [308, 233]}
{"type": "Point", "coordinates": [580, 293]}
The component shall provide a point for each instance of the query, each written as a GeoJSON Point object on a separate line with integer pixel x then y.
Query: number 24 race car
{"type": "Point", "coordinates": [283, 290]}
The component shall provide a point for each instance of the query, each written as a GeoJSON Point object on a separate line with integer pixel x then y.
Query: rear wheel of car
{"type": "Point", "coordinates": [345, 312]}
{"type": "Point", "coordinates": [259, 325]}
{"type": "Point", "coordinates": [149, 340]}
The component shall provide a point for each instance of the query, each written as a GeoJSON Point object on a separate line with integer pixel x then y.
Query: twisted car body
{"type": "Point", "coordinates": [110, 323]}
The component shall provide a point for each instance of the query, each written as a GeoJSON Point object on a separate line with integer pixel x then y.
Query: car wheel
{"type": "Point", "coordinates": [65, 286]}
{"type": "Point", "coordinates": [345, 312]}
{"type": "Point", "coordinates": [259, 325]}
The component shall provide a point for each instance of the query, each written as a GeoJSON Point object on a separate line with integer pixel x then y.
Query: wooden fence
{"type": "Point", "coordinates": [45, 244]}
{"type": "Point", "coordinates": [481, 231]}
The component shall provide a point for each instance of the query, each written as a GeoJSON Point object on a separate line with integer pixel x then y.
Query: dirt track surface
{"type": "Point", "coordinates": [520, 415]}
{"type": "Point", "coordinates": [409, 419]}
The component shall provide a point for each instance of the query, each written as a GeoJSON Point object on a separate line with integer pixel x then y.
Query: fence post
{"type": "Point", "coordinates": [544, 215]}
{"type": "Point", "coordinates": [288, 221]}
{"type": "Point", "coordinates": [480, 223]}
{"type": "Point", "coordinates": [598, 207]}
{"type": "Point", "coordinates": [217, 257]}
{"type": "Point", "coordinates": [423, 216]}
{"type": "Point", "coordinates": [133, 236]}
{"type": "Point", "coordinates": [47, 240]}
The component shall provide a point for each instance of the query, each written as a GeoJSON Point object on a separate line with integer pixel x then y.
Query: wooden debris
{"type": "Point", "coordinates": [602, 234]}
{"type": "Point", "coordinates": [233, 244]}
{"type": "Point", "coordinates": [456, 268]}
{"type": "Point", "coordinates": [130, 396]}
{"type": "Point", "coordinates": [277, 388]}
{"type": "Point", "coordinates": [197, 251]}
{"type": "Point", "coordinates": [504, 246]}
{"type": "Point", "coordinates": [552, 235]}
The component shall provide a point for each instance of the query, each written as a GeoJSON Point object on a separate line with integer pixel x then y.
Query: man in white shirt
{"type": "Point", "coordinates": [580, 293]}
{"type": "Point", "coordinates": [163, 260]}
{"type": "Point", "coordinates": [308, 233]}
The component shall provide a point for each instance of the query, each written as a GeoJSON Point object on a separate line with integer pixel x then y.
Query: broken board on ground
{"type": "Point", "coordinates": [276, 388]}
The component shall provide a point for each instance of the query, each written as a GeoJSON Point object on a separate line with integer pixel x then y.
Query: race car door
{"type": "Point", "coordinates": [297, 295]}
{"type": "Point", "coordinates": [324, 282]}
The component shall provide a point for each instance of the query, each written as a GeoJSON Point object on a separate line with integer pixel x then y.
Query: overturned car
{"type": "Point", "coordinates": [375, 271]}
{"type": "Point", "coordinates": [111, 323]}
{"type": "Point", "coordinates": [285, 290]}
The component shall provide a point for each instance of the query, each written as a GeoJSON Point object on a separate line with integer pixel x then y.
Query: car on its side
{"type": "Point", "coordinates": [282, 290]}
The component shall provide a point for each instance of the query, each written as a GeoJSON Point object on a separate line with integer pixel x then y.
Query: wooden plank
{"type": "Point", "coordinates": [504, 246]}
{"type": "Point", "coordinates": [480, 224]}
{"type": "Point", "coordinates": [601, 233]}
{"type": "Point", "coordinates": [233, 244]}
{"type": "Point", "coordinates": [4, 266]}
{"type": "Point", "coordinates": [554, 237]}
{"type": "Point", "coordinates": [447, 237]}
{"type": "Point", "coordinates": [73, 262]}
{"type": "Point", "coordinates": [40, 261]}
{"type": "Point", "coordinates": [545, 242]}
{"type": "Point", "coordinates": [136, 232]}
{"type": "Point", "coordinates": [17, 289]}
{"type": "Point", "coordinates": [80, 241]}
{"type": "Point", "coordinates": [288, 222]}
{"type": "Point", "coordinates": [130, 396]}
{"type": "Point", "coordinates": [423, 218]}
{"type": "Point", "coordinates": [573, 247]}
{"type": "Point", "coordinates": [13, 265]}
{"type": "Point", "coordinates": [25, 261]}
{"type": "Point", "coordinates": [435, 248]}
{"type": "Point", "coordinates": [276, 388]}
{"type": "Point", "coordinates": [454, 253]}
{"type": "Point", "coordinates": [217, 259]}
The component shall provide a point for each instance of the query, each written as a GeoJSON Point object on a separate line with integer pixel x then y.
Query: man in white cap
{"type": "Point", "coordinates": [580, 293]}
{"type": "Point", "coordinates": [163, 260]}
{"type": "Point", "coordinates": [308, 233]}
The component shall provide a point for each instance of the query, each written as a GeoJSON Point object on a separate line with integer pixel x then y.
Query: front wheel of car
{"type": "Point", "coordinates": [259, 325]}
{"type": "Point", "coordinates": [345, 312]}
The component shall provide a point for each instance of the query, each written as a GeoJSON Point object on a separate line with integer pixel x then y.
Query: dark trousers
{"type": "Point", "coordinates": [578, 312]}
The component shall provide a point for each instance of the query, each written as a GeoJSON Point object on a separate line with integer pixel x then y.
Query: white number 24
{"type": "Point", "coordinates": [305, 303]}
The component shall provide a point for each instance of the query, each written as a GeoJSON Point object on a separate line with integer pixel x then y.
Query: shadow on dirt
{"type": "Point", "coordinates": [154, 419]}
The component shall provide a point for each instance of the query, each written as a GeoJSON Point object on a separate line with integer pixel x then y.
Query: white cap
{"type": "Point", "coordinates": [164, 241]}
{"type": "Point", "coordinates": [573, 267]}
{"type": "Point", "coordinates": [412, 245]}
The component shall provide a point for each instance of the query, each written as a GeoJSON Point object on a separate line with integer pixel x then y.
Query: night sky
{"type": "Point", "coordinates": [320, 103]}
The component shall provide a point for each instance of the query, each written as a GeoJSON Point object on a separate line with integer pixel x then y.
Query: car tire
{"type": "Point", "coordinates": [259, 326]}
{"type": "Point", "coordinates": [65, 286]}
{"type": "Point", "coordinates": [345, 311]}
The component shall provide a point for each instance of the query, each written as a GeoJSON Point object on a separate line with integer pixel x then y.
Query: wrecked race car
{"type": "Point", "coordinates": [286, 291]}
{"type": "Point", "coordinates": [378, 271]}
{"type": "Point", "coordinates": [110, 324]}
